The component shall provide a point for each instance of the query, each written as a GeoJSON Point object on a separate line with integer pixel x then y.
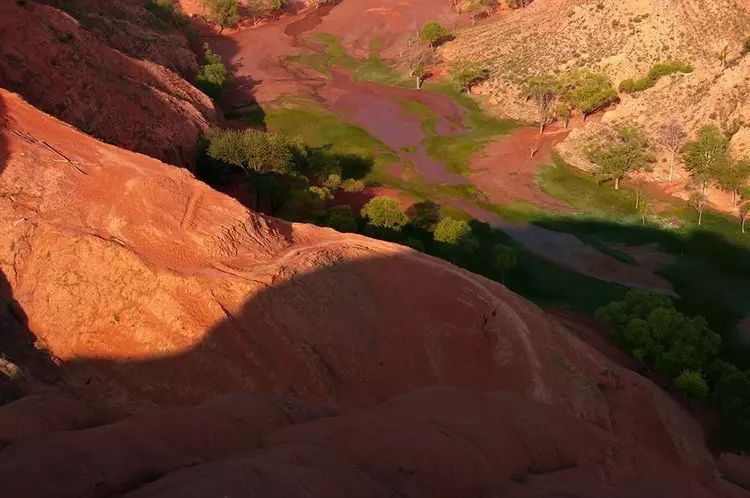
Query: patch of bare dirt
{"type": "Point", "coordinates": [505, 170]}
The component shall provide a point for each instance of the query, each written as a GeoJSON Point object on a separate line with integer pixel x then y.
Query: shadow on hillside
{"type": "Point", "coordinates": [17, 344]}
{"type": "Point", "coordinates": [352, 333]}
{"type": "Point", "coordinates": [709, 272]}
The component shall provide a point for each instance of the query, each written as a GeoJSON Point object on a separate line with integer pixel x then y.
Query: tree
{"type": "Point", "coordinates": [707, 156]}
{"type": "Point", "coordinates": [384, 212]}
{"type": "Point", "coordinates": [562, 112]}
{"type": "Point", "coordinates": [465, 74]}
{"type": "Point", "coordinates": [587, 91]}
{"type": "Point", "coordinates": [619, 152]}
{"type": "Point", "coordinates": [733, 176]}
{"type": "Point", "coordinates": [671, 137]}
{"type": "Point", "coordinates": [649, 327]}
{"type": "Point", "coordinates": [743, 210]}
{"type": "Point", "coordinates": [213, 75]}
{"type": "Point", "coordinates": [543, 90]}
{"type": "Point", "coordinates": [698, 201]}
{"type": "Point", "coordinates": [424, 214]}
{"type": "Point", "coordinates": [454, 234]}
{"type": "Point", "coordinates": [432, 33]}
{"type": "Point", "coordinates": [504, 259]}
{"type": "Point", "coordinates": [480, 8]}
{"type": "Point", "coordinates": [692, 383]}
{"type": "Point", "coordinates": [265, 8]}
{"type": "Point", "coordinates": [224, 13]}
{"type": "Point", "coordinates": [451, 231]}
{"type": "Point", "coordinates": [256, 153]}
{"type": "Point", "coordinates": [418, 59]}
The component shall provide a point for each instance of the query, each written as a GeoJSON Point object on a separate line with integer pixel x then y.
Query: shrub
{"type": "Point", "coordinates": [168, 11]}
{"type": "Point", "coordinates": [692, 383]}
{"type": "Point", "coordinates": [223, 12]}
{"type": "Point", "coordinates": [465, 74]}
{"type": "Point", "coordinates": [213, 75]}
{"type": "Point", "coordinates": [746, 46]}
{"type": "Point", "coordinates": [655, 73]}
{"type": "Point", "coordinates": [384, 212]}
{"type": "Point", "coordinates": [352, 185]}
{"type": "Point", "coordinates": [587, 91]}
{"type": "Point", "coordinates": [432, 33]}
{"type": "Point", "coordinates": [451, 231]}
{"type": "Point", "coordinates": [341, 218]}
{"type": "Point", "coordinates": [648, 326]}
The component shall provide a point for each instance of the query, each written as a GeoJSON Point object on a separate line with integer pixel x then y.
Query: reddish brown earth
{"type": "Point", "coordinates": [506, 171]}
{"type": "Point", "coordinates": [61, 67]}
{"type": "Point", "coordinates": [129, 27]}
{"type": "Point", "coordinates": [162, 292]}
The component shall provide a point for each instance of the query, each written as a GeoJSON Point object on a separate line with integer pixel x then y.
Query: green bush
{"type": "Point", "coordinates": [655, 73]}
{"type": "Point", "coordinates": [648, 326]}
{"type": "Point", "coordinates": [168, 11]}
{"type": "Point", "coordinates": [466, 74]}
{"type": "Point", "coordinates": [213, 75]}
{"type": "Point", "coordinates": [692, 383]}
{"type": "Point", "coordinates": [384, 212]}
{"type": "Point", "coordinates": [452, 232]}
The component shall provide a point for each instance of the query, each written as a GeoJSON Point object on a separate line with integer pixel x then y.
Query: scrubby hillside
{"type": "Point", "coordinates": [61, 67]}
{"type": "Point", "coordinates": [622, 40]}
{"type": "Point", "coordinates": [161, 291]}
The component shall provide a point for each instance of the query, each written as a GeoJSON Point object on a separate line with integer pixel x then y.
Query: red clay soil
{"type": "Point", "coordinates": [131, 28]}
{"type": "Point", "coordinates": [506, 172]}
{"type": "Point", "coordinates": [59, 66]}
{"type": "Point", "coordinates": [174, 294]}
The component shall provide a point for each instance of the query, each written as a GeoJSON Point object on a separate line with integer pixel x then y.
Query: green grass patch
{"type": "Point", "coordinates": [422, 111]}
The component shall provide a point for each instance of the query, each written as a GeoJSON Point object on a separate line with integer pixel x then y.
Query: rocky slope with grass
{"type": "Point", "coordinates": [621, 39]}
{"type": "Point", "coordinates": [144, 289]}
{"type": "Point", "coordinates": [63, 65]}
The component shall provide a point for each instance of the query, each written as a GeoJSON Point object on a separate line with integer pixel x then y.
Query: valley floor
{"type": "Point", "coordinates": [326, 78]}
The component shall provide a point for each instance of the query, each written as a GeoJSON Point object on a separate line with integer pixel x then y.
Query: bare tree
{"type": "Point", "coordinates": [417, 58]}
{"type": "Point", "coordinates": [698, 200]}
{"type": "Point", "coordinates": [672, 137]}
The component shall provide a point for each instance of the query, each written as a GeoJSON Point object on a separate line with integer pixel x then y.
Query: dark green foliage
{"type": "Point", "coordinates": [655, 73]}
{"type": "Point", "coordinates": [341, 218]}
{"type": "Point", "coordinates": [732, 393]}
{"type": "Point", "coordinates": [504, 259]}
{"type": "Point", "coordinates": [648, 326]}
{"type": "Point", "coordinates": [424, 214]}
{"type": "Point", "coordinates": [212, 76]}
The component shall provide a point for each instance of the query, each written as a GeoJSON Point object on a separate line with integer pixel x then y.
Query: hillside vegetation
{"type": "Point", "coordinates": [621, 40]}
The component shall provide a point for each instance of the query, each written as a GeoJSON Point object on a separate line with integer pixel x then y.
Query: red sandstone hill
{"type": "Point", "coordinates": [60, 66]}
{"type": "Point", "coordinates": [150, 292]}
